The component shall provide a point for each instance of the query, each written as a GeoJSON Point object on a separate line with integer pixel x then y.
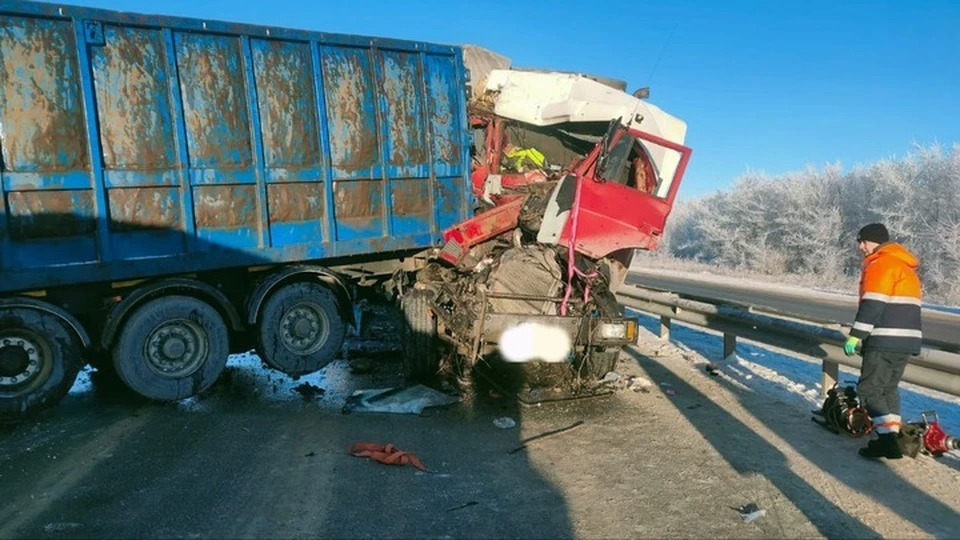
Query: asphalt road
{"type": "Point", "coordinates": [822, 307]}
{"type": "Point", "coordinates": [250, 459]}
{"type": "Point", "coordinates": [254, 458]}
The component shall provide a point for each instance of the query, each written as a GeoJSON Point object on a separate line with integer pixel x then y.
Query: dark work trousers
{"type": "Point", "coordinates": [879, 377]}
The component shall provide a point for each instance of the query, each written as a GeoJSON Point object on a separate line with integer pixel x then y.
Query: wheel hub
{"type": "Point", "coordinates": [20, 360]}
{"type": "Point", "coordinates": [304, 328]}
{"type": "Point", "coordinates": [176, 348]}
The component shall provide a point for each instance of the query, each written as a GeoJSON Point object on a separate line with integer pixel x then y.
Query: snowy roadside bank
{"type": "Point", "coordinates": [790, 378]}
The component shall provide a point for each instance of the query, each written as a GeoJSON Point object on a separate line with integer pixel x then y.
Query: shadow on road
{"type": "Point", "coordinates": [254, 458]}
{"type": "Point", "coordinates": [743, 448]}
{"type": "Point", "coordinates": [748, 453]}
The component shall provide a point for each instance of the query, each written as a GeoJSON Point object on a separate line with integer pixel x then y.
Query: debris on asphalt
{"type": "Point", "coordinates": [504, 422]}
{"type": "Point", "coordinates": [402, 400]}
{"type": "Point", "coordinates": [462, 506]}
{"type": "Point", "coordinates": [712, 369]}
{"type": "Point", "coordinates": [576, 424]}
{"type": "Point", "coordinates": [311, 454]}
{"type": "Point", "coordinates": [611, 377]}
{"type": "Point", "coordinates": [695, 406]}
{"type": "Point", "coordinates": [751, 512]}
{"type": "Point", "coordinates": [50, 528]}
{"type": "Point", "coordinates": [639, 384]}
{"type": "Point", "coordinates": [670, 392]}
{"type": "Point", "coordinates": [309, 391]}
{"type": "Point", "coordinates": [362, 365]}
{"type": "Point", "coordinates": [387, 454]}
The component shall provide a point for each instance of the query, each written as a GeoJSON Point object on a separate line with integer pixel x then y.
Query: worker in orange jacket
{"type": "Point", "coordinates": [888, 332]}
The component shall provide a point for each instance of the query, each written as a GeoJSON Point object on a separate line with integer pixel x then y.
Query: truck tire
{"type": "Point", "coordinates": [421, 359]}
{"type": "Point", "coordinates": [171, 348]}
{"type": "Point", "coordinates": [602, 361]}
{"type": "Point", "coordinates": [40, 357]}
{"type": "Point", "coordinates": [300, 329]}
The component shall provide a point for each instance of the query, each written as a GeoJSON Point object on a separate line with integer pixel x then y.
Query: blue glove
{"type": "Point", "coordinates": [850, 347]}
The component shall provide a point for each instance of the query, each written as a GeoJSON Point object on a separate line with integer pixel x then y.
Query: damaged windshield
{"type": "Point", "coordinates": [628, 163]}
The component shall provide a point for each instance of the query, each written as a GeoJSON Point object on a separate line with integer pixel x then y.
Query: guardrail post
{"type": "Point", "coordinates": [664, 328]}
{"type": "Point", "coordinates": [831, 374]}
{"type": "Point", "coordinates": [729, 346]}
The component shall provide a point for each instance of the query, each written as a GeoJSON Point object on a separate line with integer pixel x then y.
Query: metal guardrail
{"type": "Point", "coordinates": [933, 368]}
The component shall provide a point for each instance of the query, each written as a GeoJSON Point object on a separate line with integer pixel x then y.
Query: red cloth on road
{"type": "Point", "coordinates": [385, 453]}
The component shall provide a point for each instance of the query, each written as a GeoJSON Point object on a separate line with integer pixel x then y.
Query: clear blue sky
{"type": "Point", "coordinates": [763, 85]}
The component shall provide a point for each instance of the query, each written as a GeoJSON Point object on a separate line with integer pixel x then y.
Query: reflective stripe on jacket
{"type": "Point", "coordinates": [889, 315]}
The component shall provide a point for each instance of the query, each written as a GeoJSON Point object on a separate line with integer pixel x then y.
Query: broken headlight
{"type": "Point", "coordinates": [623, 330]}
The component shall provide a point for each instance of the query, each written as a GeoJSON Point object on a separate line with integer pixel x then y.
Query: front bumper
{"type": "Point", "coordinates": [582, 331]}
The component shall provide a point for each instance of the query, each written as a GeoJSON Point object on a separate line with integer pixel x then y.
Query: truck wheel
{"type": "Point", "coordinates": [604, 359]}
{"type": "Point", "coordinates": [602, 362]}
{"type": "Point", "coordinates": [172, 348]}
{"type": "Point", "coordinates": [421, 359]}
{"type": "Point", "coordinates": [300, 329]}
{"type": "Point", "coordinates": [39, 361]}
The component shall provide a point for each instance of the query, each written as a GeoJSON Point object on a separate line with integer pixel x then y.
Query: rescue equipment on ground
{"type": "Point", "coordinates": [842, 412]}
{"type": "Point", "coordinates": [926, 437]}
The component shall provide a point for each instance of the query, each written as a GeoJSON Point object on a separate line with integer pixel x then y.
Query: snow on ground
{"type": "Point", "coordinates": [82, 385]}
{"type": "Point", "coordinates": [794, 379]}
{"type": "Point", "coordinates": [248, 371]}
{"type": "Point", "coordinates": [245, 376]}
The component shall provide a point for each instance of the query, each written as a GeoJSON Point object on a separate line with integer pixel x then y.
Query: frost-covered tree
{"type": "Point", "coordinates": [805, 223]}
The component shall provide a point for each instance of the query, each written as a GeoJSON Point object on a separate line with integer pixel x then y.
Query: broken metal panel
{"type": "Point", "coordinates": [480, 228]}
{"type": "Point", "coordinates": [214, 101]}
{"type": "Point", "coordinates": [351, 113]}
{"type": "Point", "coordinates": [133, 103]}
{"type": "Point", "coordinates": [402, 108]}
{"type": "Point", "coordinates": [545, 99]}
{"type": "Point", "coordinates": [41, 105]}
{"type": "Point", "coordinates": [288, 106]}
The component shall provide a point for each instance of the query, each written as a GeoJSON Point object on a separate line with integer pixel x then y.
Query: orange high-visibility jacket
{"type": "Point", "coordinates": [889, 316]}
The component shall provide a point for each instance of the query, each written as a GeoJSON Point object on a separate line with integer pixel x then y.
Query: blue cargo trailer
{"type": "Point", "coordinates": [173, 186]}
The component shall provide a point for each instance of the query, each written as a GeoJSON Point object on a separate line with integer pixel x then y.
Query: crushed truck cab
{"type": "Point", "coordinates": [570, 175]}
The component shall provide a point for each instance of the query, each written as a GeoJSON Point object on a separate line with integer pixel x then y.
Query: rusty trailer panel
{"type": "Point", "coordinates": [41, 107]}
{"type": "Point", "coordinates": [136, 146]}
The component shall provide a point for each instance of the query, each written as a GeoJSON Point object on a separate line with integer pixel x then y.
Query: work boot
{"type": "Point", "coordinates": [885, 446]}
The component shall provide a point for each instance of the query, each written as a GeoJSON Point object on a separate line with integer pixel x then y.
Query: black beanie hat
{"type": "Point", "coordinates": [874, 232]}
